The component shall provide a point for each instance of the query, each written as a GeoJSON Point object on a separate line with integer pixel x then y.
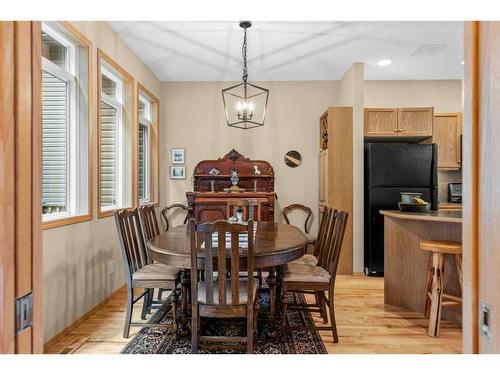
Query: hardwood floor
{"type": "Point", "coordinates": [365, 325]}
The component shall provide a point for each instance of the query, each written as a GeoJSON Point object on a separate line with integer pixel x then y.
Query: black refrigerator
{"type": "Point", "coordinates": [392, 168]}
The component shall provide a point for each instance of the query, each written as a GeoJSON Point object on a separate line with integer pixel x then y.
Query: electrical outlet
{"type": "Point", "coordinates": [111, 266]}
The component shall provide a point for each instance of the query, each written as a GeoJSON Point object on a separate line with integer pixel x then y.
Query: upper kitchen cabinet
{"type": "Point", "coordinates": [381, 121]}
{"type": "Point", "coordinates": [415, 122]}
{"type": "Point", "coordinates": [448, 135]}
{"type": "Point", "coordinates": [398, 124]}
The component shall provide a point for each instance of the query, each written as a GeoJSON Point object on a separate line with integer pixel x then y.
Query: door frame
{"type": "Point", "coordinates": [21, 268]}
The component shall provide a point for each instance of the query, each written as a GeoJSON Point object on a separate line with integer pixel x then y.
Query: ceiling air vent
{"type": "Point", "coordinates": [426, 50]}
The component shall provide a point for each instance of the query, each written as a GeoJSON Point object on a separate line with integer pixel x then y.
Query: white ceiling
{"type": "Point", "coordinates": [278, 51]}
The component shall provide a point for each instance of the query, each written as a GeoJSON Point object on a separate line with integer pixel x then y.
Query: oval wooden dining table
{"type": "Point", "coordinates": [274, 244]}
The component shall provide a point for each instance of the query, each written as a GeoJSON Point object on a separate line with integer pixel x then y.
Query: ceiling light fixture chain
{"type": "Point", "coordinates": [244, 53]}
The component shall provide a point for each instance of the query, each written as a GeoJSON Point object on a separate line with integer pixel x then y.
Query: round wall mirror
{"type": "Point", "coordinates": [293, 159]}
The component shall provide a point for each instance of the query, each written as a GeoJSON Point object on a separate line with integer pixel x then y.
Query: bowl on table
{"type": "Point", "coordinates": [414, 207]}
{"type": "Point", "coordinates": [408, 198]}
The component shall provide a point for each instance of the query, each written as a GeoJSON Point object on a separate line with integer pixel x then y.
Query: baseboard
{"type": "Point", "coordinates": [76, 323]}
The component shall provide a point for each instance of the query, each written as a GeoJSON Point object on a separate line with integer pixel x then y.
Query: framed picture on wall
{"type": "Point", "coordinates": [177, 173]}
{"type": "Point", "coordinates": [177, 156]}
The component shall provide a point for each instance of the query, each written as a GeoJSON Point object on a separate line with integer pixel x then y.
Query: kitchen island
{"type": "Point", "coordinates": [405, 265]}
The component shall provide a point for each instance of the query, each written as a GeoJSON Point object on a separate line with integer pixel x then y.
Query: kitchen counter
{"type": "Point", "coordinates": [450, 206]}
{"type": "Point", "coordinates": [444, 216]}
{"type": "Point", "coordinates": [405, 265]}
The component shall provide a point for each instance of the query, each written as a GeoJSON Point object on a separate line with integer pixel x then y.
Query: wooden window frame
{"type": "Point", "coordinates": [84, 43]}
{"type": "Point", "coordinates": [129, 84]}
{"type": "Point", "coordinates": [154, 148]}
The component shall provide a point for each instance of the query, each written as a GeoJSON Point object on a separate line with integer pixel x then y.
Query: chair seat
{"type": "Point", "coordinates": [306, 259]}
{"type": "Point", "coordinates": [303, 272]}
{"type": "Point", "coordinates": [445, 247]}
{"type": "Point", "coordinates": [156, 271]}
{"type": "Point", "coordinates": [243, 295]}
{"type": "Point", "coordinates": [310, 237]}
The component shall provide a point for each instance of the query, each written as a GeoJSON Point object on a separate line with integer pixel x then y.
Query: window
{"type": "Point", "coordinates": [145, 118]}
{"type": "Point", "coordinates": [115, 144]}
{"type": "Point", "coordinates": [65, 126]}
{"type": "Point", "coordinates": [147, 160]}
{"type": "Point", "coordinates": [111, 138]}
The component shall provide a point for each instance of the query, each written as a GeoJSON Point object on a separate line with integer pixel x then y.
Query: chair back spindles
{"type": "Point", "coordinates": [221, 266]}
{"type": "Point", "coordinates": [322, 231]}
{"type": "Point", "coordinates": [131, 240]}
{"type": "Point", "coordinates": [223, 258]}
{"type": "Point", "coordinates": [235, 269]}
{"type": "Point", "coordinates": [149, 221]}
{"type": "Point", "coordinates": [164, 214]}
{"type": "Point", "coordinates": [326, 241]}
{"type": "Point", "coordinates": [336, 243]}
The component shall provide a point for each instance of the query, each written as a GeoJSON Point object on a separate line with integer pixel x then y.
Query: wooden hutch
{"type": "Point", "coordinates": [209, 201]}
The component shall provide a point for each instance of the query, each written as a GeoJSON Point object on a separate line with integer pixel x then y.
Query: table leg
{"type": "Point", "coordinates": [279, 276]}
{"type": "Point", "coordinates": [183, 327]}
{"type": "Point", "coordinates": [271, 281]}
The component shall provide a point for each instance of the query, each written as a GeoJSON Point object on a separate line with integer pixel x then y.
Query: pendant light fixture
{"type": "Point", "coordinates": [245, 104]}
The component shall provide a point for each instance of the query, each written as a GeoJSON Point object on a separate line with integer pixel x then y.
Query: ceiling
{"type": "Point", "coordinates": [295, 51]}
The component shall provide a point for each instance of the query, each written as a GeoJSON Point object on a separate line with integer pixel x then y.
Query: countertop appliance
{"type": "Point", "coordinates": [392, 168]}
{"type": "Point", "coordinates": [455, 192]}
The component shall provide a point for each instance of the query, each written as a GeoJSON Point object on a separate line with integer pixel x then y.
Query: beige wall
{"type": "Point", "coordinates": [443, 95]}
{"type": "Point", "coordinates": [193, 118]}
{"type": "Point", "coordinates": [352, 95]}
{"type": "Point", "coordinates": [75, 257]}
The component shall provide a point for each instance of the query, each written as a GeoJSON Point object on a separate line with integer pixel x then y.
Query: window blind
{"type": "Point", "coordinates": [109, 120]}
{"type": "Point", "coordinates": [55, 139]}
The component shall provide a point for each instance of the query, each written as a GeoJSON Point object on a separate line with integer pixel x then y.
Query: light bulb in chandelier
{"type": "Point", "coordinates": [245, 110]}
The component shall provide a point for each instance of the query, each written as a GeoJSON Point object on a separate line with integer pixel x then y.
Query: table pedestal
{"type": "Point", "coordinates": [183, 327]}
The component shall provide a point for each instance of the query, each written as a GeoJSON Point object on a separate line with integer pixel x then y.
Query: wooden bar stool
{"type": "Point", "coordinates": [435, 276]}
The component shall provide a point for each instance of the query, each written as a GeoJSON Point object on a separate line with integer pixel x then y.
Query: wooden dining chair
{"type": "Point", "coordinates": [251, 209]}
{"type": "Point", "coordinates": [150, 228]}
{"type": "Point", "coordinates": [164, 213]}
{"type": "Point", "coordinates": [320, 277]}
{"type": "Point", "coordinates": [312, 259]}
{"type": "Point", "coordinates": [308, 213]}
{"type": "Point", "coordinates": [140, 272]}
{"type": "Point", "coordinates": [215, 249]}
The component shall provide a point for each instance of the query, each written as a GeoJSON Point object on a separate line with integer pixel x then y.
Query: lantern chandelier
{"type": "Point", "coordinates": [245, 104]}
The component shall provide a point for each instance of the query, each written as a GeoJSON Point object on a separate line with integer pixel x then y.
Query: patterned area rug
{"type": "Point", "coordinates": [301, 337]}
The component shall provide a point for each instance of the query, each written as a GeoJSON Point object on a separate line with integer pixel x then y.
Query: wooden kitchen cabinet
{"type": "Point", "coordinates": [415, 121]}
{"type": "Point", "coordinates": [381, 121]}
{"type": "Point", "coordinates": [447, 135]}
{"type": "Point", "coordinates": [336, 183]}
{"type": "Point", "coordinates": [398, 124]}
{"type": "Point", "coordinates": [323, 177]}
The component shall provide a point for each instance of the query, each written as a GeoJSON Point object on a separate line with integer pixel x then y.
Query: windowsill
{"type": "Point", "coordinates": [107, 213]}
{"type": "Point", "coordinates": [67, 220]}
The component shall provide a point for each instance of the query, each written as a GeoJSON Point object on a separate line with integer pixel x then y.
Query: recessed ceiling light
{"type": "Point", "coordinates": [384, 62]}
{"type": "Point", "coordinates": [463, 62]}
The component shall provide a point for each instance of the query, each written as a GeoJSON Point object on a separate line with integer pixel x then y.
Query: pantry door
{"type": "Point", "coordinates": [20, 197]}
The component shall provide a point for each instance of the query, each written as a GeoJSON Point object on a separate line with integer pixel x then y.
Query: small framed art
{"type": "Point", "coordinates": [177, 173]}
{"type": "Point", "coordinates": [177, 156]}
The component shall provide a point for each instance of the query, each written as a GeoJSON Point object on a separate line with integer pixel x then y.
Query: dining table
{"type": "Point", "coordinates": [275, 244]}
